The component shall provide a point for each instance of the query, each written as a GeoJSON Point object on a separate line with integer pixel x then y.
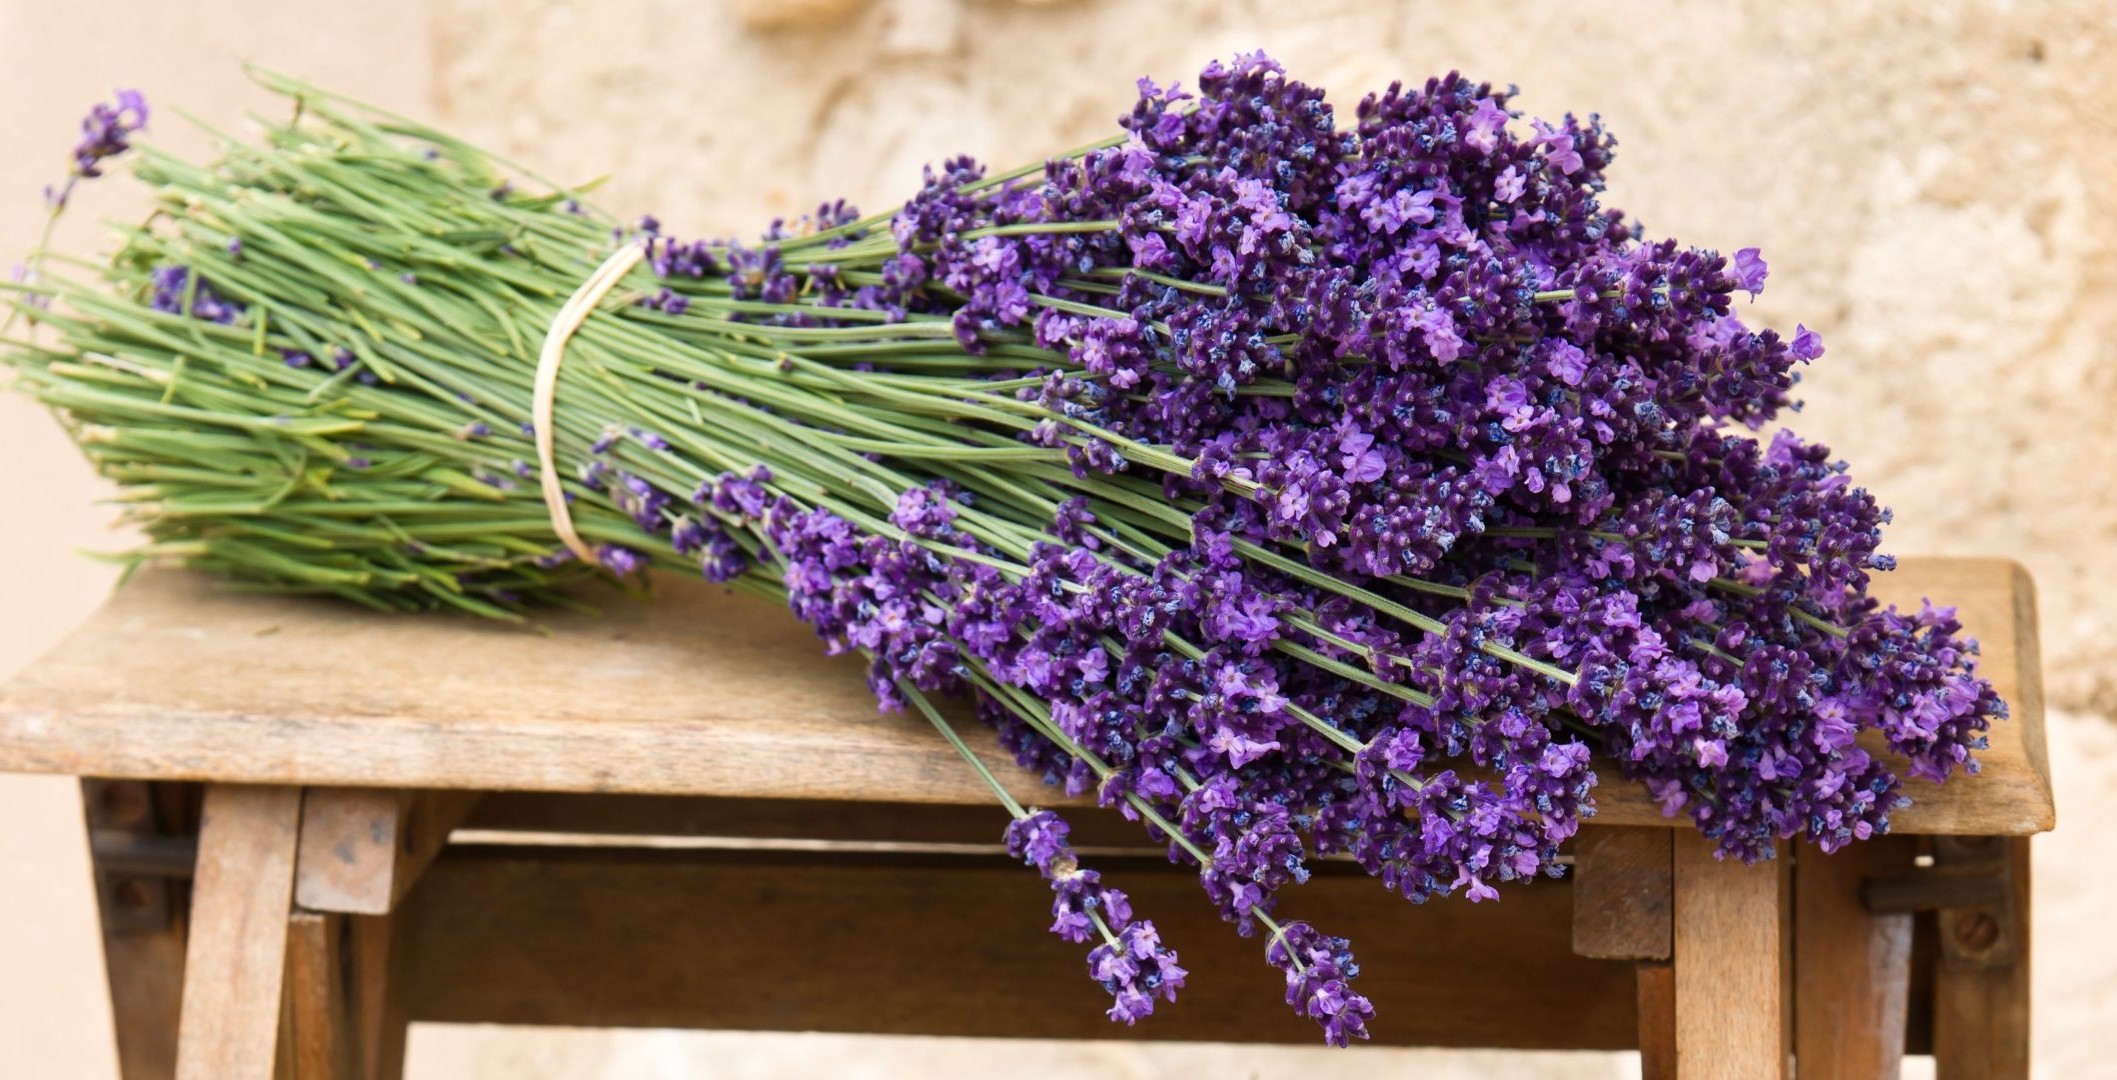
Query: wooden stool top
{"type": "Point", "coordinates": [698, 692]}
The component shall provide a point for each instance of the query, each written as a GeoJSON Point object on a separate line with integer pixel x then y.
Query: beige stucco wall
{"type": "Point", "coordinates": [1935, 185]}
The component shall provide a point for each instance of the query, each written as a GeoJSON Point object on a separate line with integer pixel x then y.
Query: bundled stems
{"type": "Point", "coordinates": [1299, 487]}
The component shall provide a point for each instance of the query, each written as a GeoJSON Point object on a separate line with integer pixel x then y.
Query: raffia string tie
{"type": "Point", "coordinates": [568, 320]}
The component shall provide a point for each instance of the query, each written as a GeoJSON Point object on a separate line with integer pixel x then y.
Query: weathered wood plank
{"type": "Point", "coordinates": [1981, 981]}
{"type": "Point", "coordinates": [1657, 1020]}
{"type": "Point", "coordinates": [779, 819]}
{"type": "Point", "coordinates": [322, 1041]}
{"type": "Point", "coordinates": [1732, 964]}
{"type": "Point", "coordinates": [344, 1022]}
{"type": "Point", "coordinates": [377, 996]}
{"type": "Point", "coordinates": [1623, 881]}
{"type": "Point", "coordinates": [1852, 968]}
{"type": "Point", "coordinates": [235, 964]}
{"type": "Point", "coordinates": [959, 945]}
{"type": "Point", "coordinates": [700, 692]}
{"type": "Point", "coordinates": [362, 848]}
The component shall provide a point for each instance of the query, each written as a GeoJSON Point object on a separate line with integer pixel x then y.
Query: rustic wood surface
{"type": "Point", "coordinates": [801, 820]}
{"type": "Point", "coordinates": [235, 962]}
{"type": "Point", "coordinates": [374, 953]}
{"type": "Point", "coordinates": [1852, 968]}
{"type": "Point", "coordinates": [318, 1031]}
{"type": "Point", "coordinates": [699, 692]}
{"type": "Point", "coordinates": [958, 945]}
{"type": "Point", "coordinates": [1981, 980]}
{"type": "Point", "coordinates": [1732, 962]}
{"type": "Point", "coordinates": [1622, 890]}
{"type": "Point", "coordinates": [1657, 1019]}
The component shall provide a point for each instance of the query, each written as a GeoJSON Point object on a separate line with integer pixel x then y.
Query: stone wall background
{"type": "Point", "coordinates": [1932, 183]}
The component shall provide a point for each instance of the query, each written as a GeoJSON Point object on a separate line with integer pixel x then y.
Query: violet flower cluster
{"type": "Point", "coordinates": [1463, 494]}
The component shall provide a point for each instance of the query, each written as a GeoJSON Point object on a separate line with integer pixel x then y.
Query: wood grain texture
{"type": "Point", "coordinates": [1852, 968]}
{"type": "Point", "coordinates": [376, 995]}
{"type": "Point", "coordinates": [1622, 893]}
{"type": "Point", "coordinates": [235, 963]}
{"type": "Point", "coordinates": [362, 848]}
{"type": "Point", "coordinates": [700, 692]}
{"type": "Point", "coordinates": [319, 1029]}
{"type": "Point", "coordinates": [343, 1022]}
{"type": "Point", "coordinates": [1981, 981]}
{"type": "Point", "coordinates": [957, 945]}
{"type": "Point", "coordinates": [776, 819]}
{"type": "Point", "coordinates": [1657, 1020]}
{"type": "Point", "coordinates": [1732, 964]}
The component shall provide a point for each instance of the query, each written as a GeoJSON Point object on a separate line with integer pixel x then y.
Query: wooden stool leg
{"type": "Point", "coordinates": [235, 964]}
{"type": "Point", "coordinates": [142, 919]}
{"type": "Point", "coordinates": [320, 1025]}
{"type": "Point", "coordinates": [1852, 968]}
{"type": "Point", "coordinates": [1623, 905]}
{"type": "Point", "coordinates": [1981, 985]}
{"type": "Point", "coordinates": [342, 1021]}
{"type": "Point", "coordinates": [378, 1002]}
{"type": "Point", "coordinates": [1657, 1020]}
{"type": "Point", "coordinates": [1732, 964]}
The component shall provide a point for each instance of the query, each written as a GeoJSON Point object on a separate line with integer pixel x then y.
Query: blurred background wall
{"type": "Point", "coordinates": [1934, 183]}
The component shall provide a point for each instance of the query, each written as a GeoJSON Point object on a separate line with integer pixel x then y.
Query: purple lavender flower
{"type": "Point", "coordinates": [1807, 344]}
{"type": "Point", "coordinates": [1131, 963]}
{"type": "Point", "coordinates": [1408, 350]}
{"type": "Point", "coordinates": [172, 288]}
{"type": "Point", "coordinates": [1482, 131]}
{"type": "Point", "coordinates": [106, 132]}
{"type": "Point", "coordinates": [1135, 970]}
{"type": "Point", "coordinates": [1319, 972]}
{"type": "Point", "coordinates": [1750, 271]}
{"type": "Point", "coordinates": [620, 560]}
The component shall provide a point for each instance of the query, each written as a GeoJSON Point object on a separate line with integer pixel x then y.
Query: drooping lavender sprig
{"type": "Point", "coordinates": [1130, 962]}
{"type": "Point", "coordinates": [106, 132]}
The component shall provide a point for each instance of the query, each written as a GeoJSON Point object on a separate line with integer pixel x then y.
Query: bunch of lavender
{"type": "Point", "coordinates": [1299, 488]}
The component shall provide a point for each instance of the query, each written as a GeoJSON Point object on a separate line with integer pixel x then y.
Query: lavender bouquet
{"type": "Point", "coordinates": [1303, 487]}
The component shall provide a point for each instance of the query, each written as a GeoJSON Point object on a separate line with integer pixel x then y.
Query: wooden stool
{"type": "Point", "coordinates": [691, 818]}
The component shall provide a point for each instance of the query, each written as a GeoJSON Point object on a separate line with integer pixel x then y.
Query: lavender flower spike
{"type": "Point", "coordinates": [106, 132]}
{"type": "Point", "coordinates": [1318, 971]}
{"type": "Point", "coordinates": [1132, 963]}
